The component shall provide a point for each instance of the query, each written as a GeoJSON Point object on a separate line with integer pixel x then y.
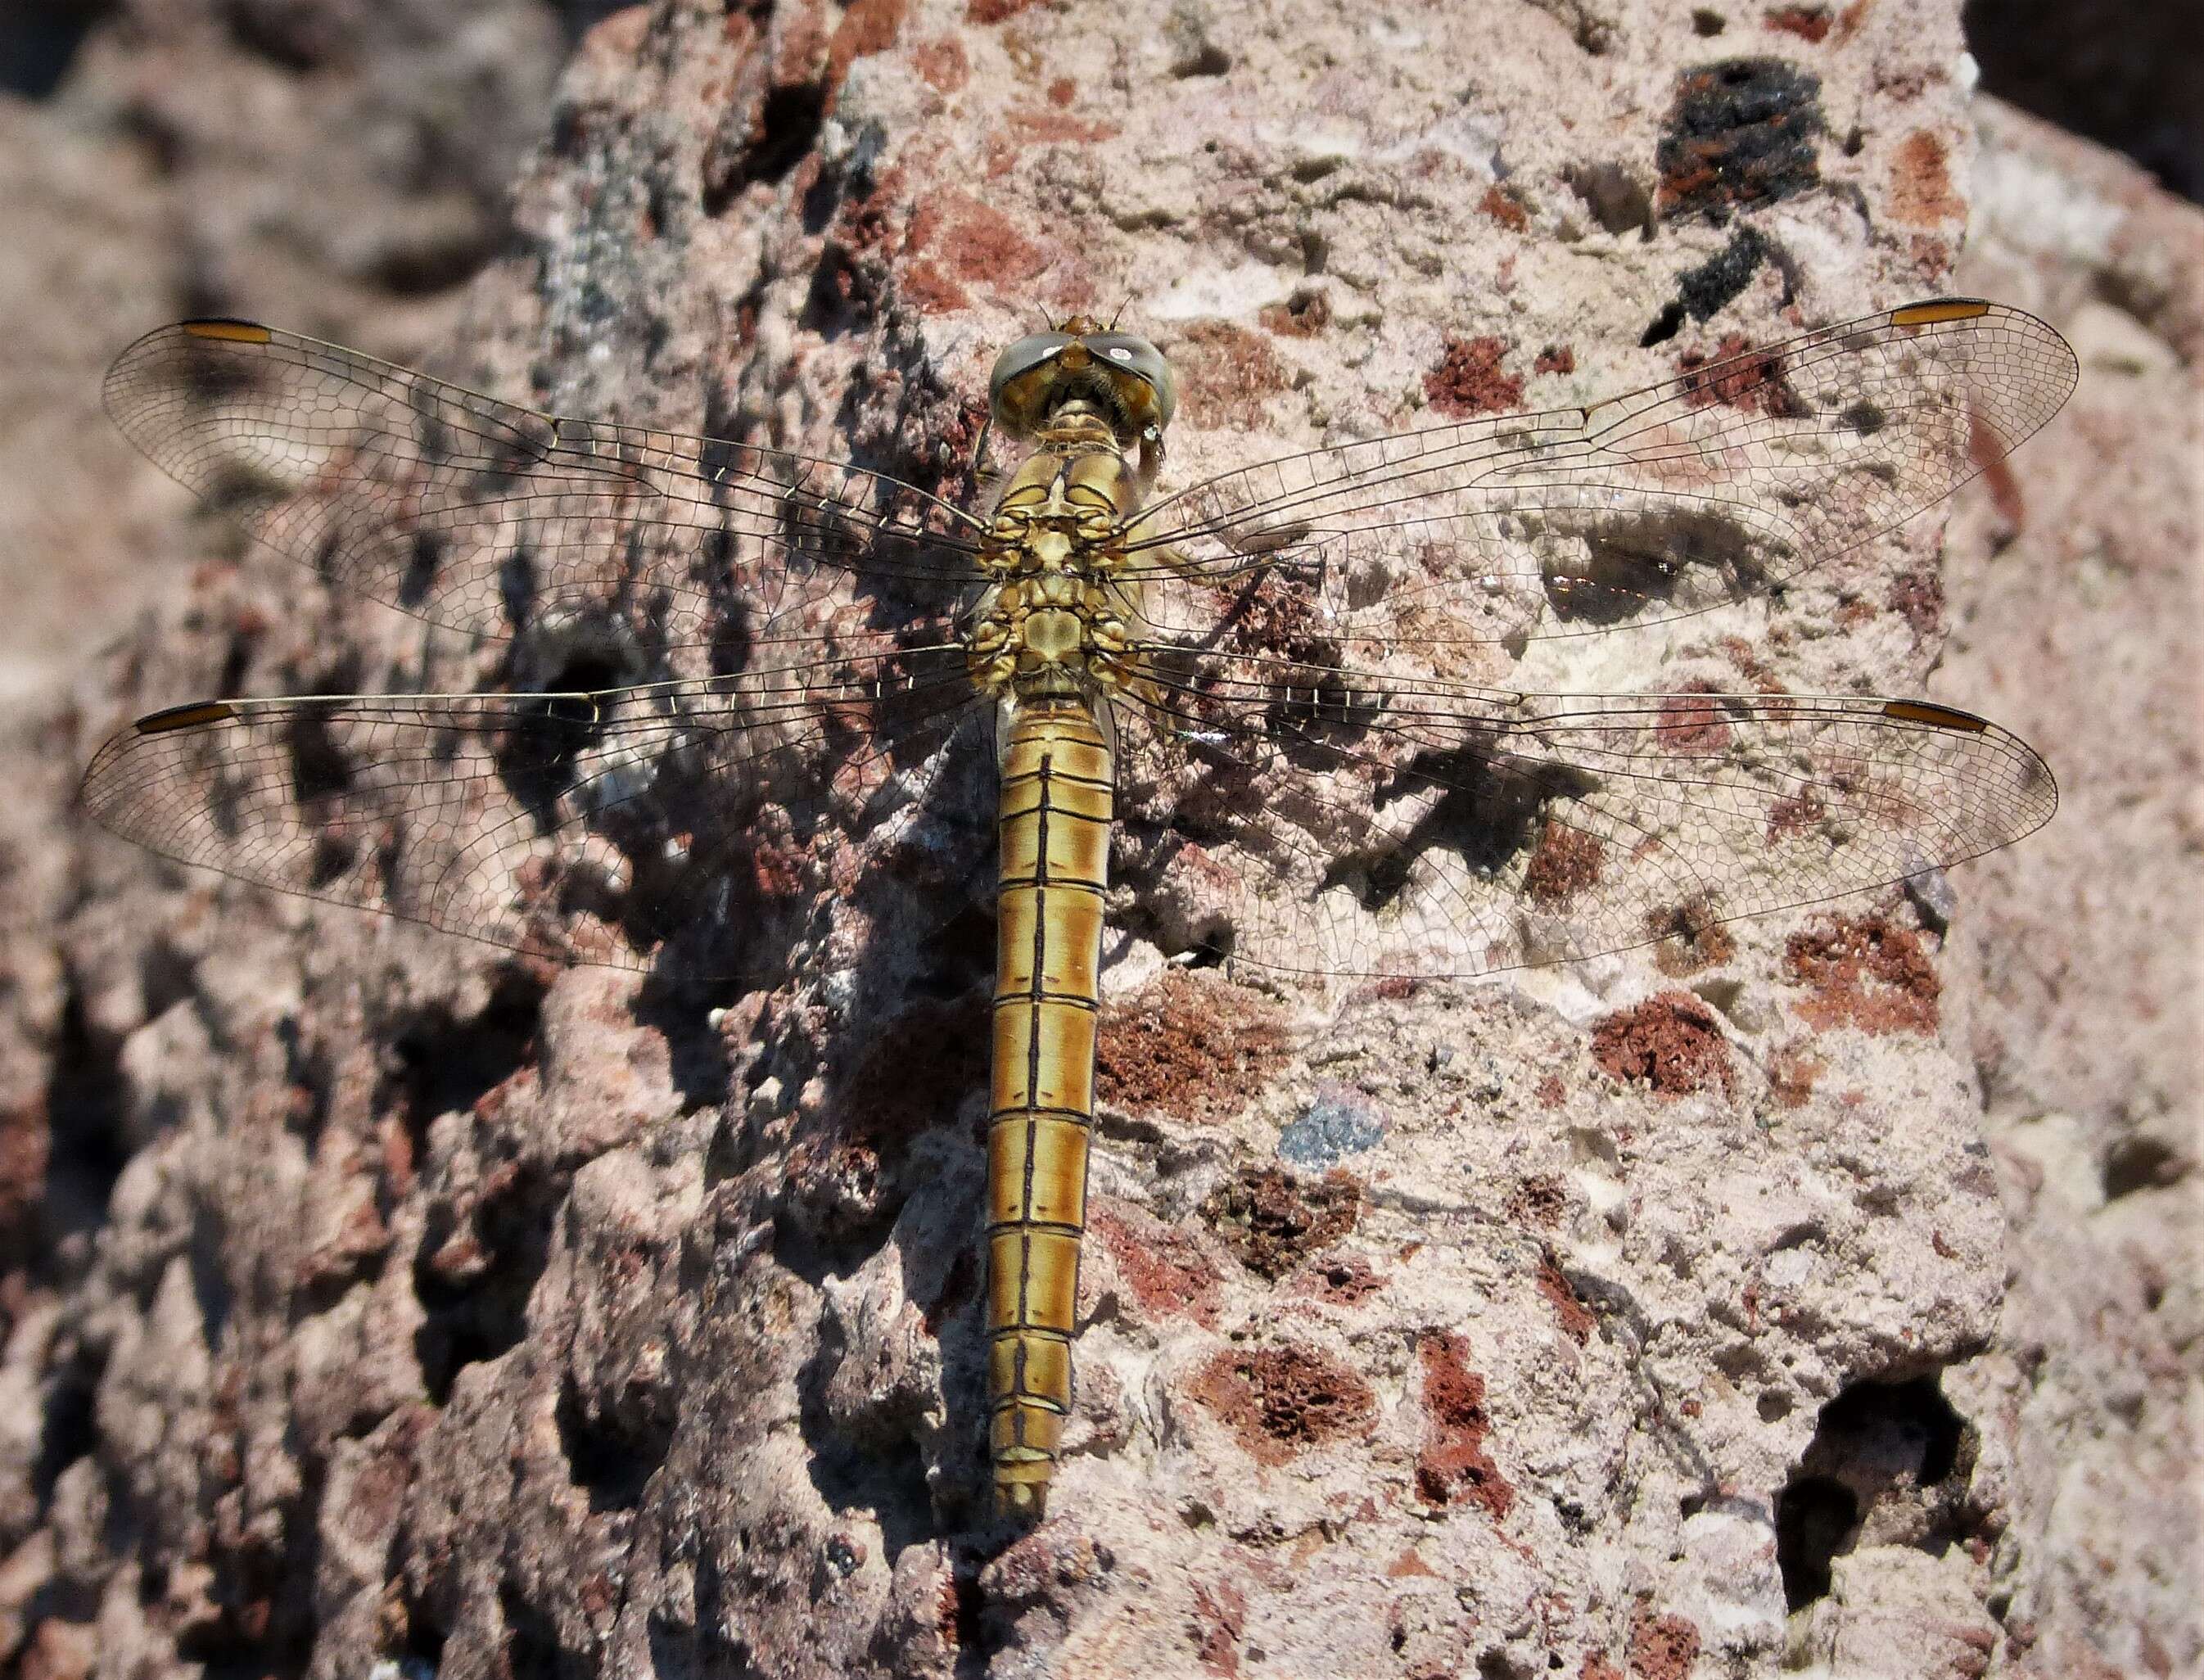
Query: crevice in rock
{"type": "Point", "coordinates": [425, 1634]}
{"type": "Point", "coordinates": [40, 43]}
{"type": "Point", "coordinates": [2140, 1162]}
{"type": "Point", "coordinates": [977, 1639]}
{"type": "Point", "coordinates": [69, 1429]}
{"type": "Point", "coordinates": [1887, 1465]}
{"type": "Point", "coordinates": [612, 1457]}
{"type": "Point", "coordinates": [876, 1467]}
{"type": "Point", "coordinates": [696, 1057]}
{"type": "Point", "coordinates": [256, 1620]}
{"type": "Point", "coordinates": [87, 1149]}
{"type": "Point", "coordinates": [1816, 1519]}
{"type": "Point", "coordinates": [448, 1064]}
{"type": "Point", "coordinates": [475, 1281]}
{"type": "Point", "coordinates": [531, 1641]}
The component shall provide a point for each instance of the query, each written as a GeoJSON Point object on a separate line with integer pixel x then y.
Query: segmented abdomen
{"type": "Point", "coordinates": [1057, 778]}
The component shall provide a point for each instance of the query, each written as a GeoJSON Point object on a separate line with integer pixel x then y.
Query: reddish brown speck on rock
{"type": "Point", "coordinates": [1044, 1561]}
{"type": "Point", "coordinates": [1164, 1268]}
{"type": "Point", "coordinates": [1932, 257]}
{"type": "Point", "coordinates": [1670, 1042]}
{"type": "Point", "coordinates": [1220, 1621]}
{"type": "Point", "coordinates": [1809, 23]}
{"type": "Point", "coordinates": [1505, 208]}
{"type": "Point", "coordinates": [1745, 659]}
{"type": "Point", "coordinates": [1552, 1093]}
{"type": "Point", "coordinates": [1918, 596]}
{"type": "Point", "coordinates": [1556, 359]}
{"type": "Point", "coordinates": [1691, 725]}
{"type": "Point", "coordinates": [1566, 861]}
{"type": "Point", "coordinates": [1345, 1281]}
{"type": "Point", "coordinates": [1791, 1076]}
{"type": "Point", "coordinates": [976, 243]}
{"type": "Point", "coordinates": [1865, 971]}
{"type": "Point", "coordinates": [1032, 127]}
{"type": "Point", "coordinates": [941, 64]}
{"type": "Point", "coordinates": [1598, 1668]}
{"type": "Point", "coordinates": [1280, 1400]}
{"type": "Point", "coordinates": [1753, 385]}
{"type": "Point", "coordinates": [1578, 1320]}
{"type": "Point", "coordinates": [1409, 1565]}
{"type": "Point", "coordinates": [1273, 1220]}
{"type": "Point", "coordinates": [1453, 1464]}
{"type": "Point", "coordinates": [1301, 315]}
{"type": "Point", "coordinates": [1688, 938]}
{"type": "Point", "coordinates": [1662, 1647]}
{"type": "Point", "coordinates": [777, 869]}
{"type": "Point", "coordinates": [1394, 987]}
{"type": "Point", "coordinates": [994, 11]}
{"type": "Point", "coordinates": [1278, 618]}
{"type": "Point", "coordinates": [1921, 190]}
{"type": "Point", "coordinates": [868, 26]}
{"type": "Point", "coordinates": [1224, 374]}
{"type": "Point", "coordinates": [1062, 91]}
{"type": "Point", "coordinates": [1794, 814]}
{"type": "Point", "coordinates": [1539, 1199]}
{"type": "Point", "coordinates": [1468, 380]}
{"type": "Point", "coordinates": [1193, 1047]}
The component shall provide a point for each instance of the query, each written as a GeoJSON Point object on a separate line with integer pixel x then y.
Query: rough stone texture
{"type": "Point", "coordinates": [2076, 617]}
{"type": "Point", "coordinates": [2131, 78]}
{"type": "Point", "coordinates": [337, 166]}
{"type": "Point", "coordinates": [414, 1306]}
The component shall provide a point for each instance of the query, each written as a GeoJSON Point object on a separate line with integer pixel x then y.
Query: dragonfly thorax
{"type": "Point", "coordinates": [1054, 618]}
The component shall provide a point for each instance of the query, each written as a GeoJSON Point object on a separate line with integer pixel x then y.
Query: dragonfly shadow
{"type": "Point", "coordinates": [1489, 810]}
{"type": "Point", "coordinates": [858, 1180]}
{"type": "Point", "coordinates": [1682, 560]}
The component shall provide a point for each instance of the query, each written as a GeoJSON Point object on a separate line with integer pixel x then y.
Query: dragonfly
{"type": "Point", "coordinates": [720, 665]}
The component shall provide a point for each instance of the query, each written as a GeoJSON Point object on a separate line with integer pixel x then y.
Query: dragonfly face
{"type": "Point", "coordinates": [1121, 376]}
{"type": "Point", "coordinates": [1302, 650]}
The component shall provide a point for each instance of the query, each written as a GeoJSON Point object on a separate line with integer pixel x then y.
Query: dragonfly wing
{"type": "Point", "coordinates": [680, 809]}
{"type": "Point", "coordinates": [477, 513]}
{"type": "Point", "coordinates": [1736, 476]}
{"type": "Point", "coordinates": [1440, 831]}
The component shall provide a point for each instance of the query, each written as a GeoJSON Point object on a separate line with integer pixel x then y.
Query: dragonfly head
{"type": "Point", "coordinates": [1123, 378]}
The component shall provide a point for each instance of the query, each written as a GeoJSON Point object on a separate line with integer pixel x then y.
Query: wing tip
{"type": "Point", "coordinates": [172, 717]}
{"type": "Point", "coordinates": [1933, 311]}
{"type": "Point", "coordinates": [226, 329]}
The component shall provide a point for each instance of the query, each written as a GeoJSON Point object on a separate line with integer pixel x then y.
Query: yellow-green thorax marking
{"type": "Point", "coordinates": [1052, 637]}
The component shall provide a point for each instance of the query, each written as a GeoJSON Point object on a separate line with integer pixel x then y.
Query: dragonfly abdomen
{"type": "Point", "coordinates": [1058, 781]}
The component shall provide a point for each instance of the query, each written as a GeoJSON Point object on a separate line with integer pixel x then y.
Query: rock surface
{"type": "Point", "coordinates": [377, 1299]}
{"type": "Point", "coordinates": [2076, 617]}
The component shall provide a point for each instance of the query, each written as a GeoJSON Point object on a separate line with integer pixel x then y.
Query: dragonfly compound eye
{"type": "Point", "coordinates": [1124, 376]}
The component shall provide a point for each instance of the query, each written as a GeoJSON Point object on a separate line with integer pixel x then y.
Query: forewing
{"type": "Point", "coordinates": [581, 827]}
{"type": "Point", "coordinates": [1426, 830]}
{"type": "Point", "coordinates": [479, 514]}
{"type": "Point", "coordinates": [1733, 478]}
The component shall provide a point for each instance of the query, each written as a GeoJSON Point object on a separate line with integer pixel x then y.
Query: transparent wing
{"type": "Point", "coordinates": [581, 827]}
{"type": "Point", "coordinates": [479, 514]}
{"type": "Point", "coordinates": [1421, 829]}
{"type": "Point", "coordinates": [1735, 477]}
